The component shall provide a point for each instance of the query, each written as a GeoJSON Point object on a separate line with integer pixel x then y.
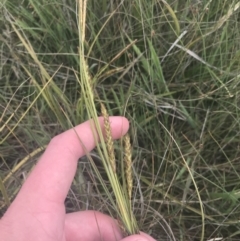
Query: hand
{"type": "Point", "coordinates": [38, 211]}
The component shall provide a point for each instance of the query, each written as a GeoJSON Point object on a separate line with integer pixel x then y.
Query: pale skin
{"type": "Point", "coordinates": [38, 211]}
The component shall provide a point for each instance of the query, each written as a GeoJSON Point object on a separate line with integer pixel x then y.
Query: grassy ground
{"type": "Point", "coordinates": [177, 81]}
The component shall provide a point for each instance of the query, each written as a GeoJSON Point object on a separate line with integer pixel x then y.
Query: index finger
{"type": "Point", "coordinates": [53, 174]}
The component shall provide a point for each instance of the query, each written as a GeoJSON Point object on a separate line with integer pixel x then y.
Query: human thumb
{"type": "Point", "coordinates": [139, 237]}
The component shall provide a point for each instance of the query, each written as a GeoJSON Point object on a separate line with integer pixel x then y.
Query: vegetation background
{"type": "Point", "coordinates": [171, 67]}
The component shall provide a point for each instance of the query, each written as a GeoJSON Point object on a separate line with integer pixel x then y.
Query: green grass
{"type": "Point", "coordinates": [179, 91]}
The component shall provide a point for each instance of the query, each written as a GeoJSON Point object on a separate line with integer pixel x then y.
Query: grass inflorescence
{"type": "Point", "coordinates": [128, 164]}
{"type": "Point", "coordinates": [109, 141]}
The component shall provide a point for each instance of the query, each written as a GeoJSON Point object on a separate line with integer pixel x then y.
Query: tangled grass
{"type": "Point", "coordinates": [170, 67]}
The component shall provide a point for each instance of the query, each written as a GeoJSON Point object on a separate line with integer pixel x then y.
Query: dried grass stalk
{"type": "Point", "coordinates": [120, 202]}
